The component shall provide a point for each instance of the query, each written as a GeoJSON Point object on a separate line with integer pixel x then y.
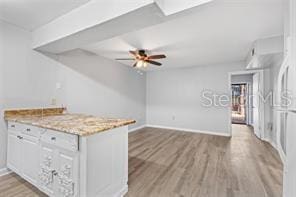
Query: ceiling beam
{"type": "Point", "coordinates": [170, 7]}
{"type": "Point", "coordinates": [85, 17]}
{"type": "Point", "coordinates": [104, 19]}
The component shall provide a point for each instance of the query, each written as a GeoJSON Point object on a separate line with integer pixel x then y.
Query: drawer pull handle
{"type": "Point", "coordinates": [54, 173]}
{"type": "Point", "coordinates": [13, 126]}
{"type": "Point", "coordinates": [19, 137]}
{"type": "Point", "coordinates": [53, 138]}
{"type": "Point", "coordinates": [28, 130]}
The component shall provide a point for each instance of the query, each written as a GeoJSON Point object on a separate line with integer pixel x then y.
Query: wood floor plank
{"type": "Point", "coordinates": [167, 163]}
{"type": "Point", "coordinates": [172, 163]}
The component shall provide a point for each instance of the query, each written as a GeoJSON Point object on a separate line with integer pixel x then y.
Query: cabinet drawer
{"type": "Point", "coordinates": [31, 130]}
{"type": "Point", "coordinates": [14, 126]}
{"type": "Point", "coordinates": [60, 139]}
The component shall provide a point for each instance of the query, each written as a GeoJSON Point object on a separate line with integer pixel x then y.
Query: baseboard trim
{"type": "Point", "coordinates": [122, 192]}
{"type": "Point", "coordinates": [189, 130]}
{"type": "Point", "coordinates": [282, 155]}
{"type": "Point", "coordinates": [137, 128]}
{"type": "Point", "coordinates": [270, 142]}
{"type": "Point", "coordinates": [4, 171]}
{"type": "Point", "coordinates": [280, 152]}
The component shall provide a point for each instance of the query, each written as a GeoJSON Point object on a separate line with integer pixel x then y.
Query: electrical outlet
{"type": "Point", "coordinates": [53, 101]}
{"type": "Point", "coordinates": [58, 86]}
{"type": "Point", "coordinates": [270, 126]}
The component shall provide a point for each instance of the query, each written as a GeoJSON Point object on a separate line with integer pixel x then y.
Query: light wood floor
{"type": "Point", "coordinates": [166, 163]}
{"type": "Point", "coordinates": [12, 185]}
{"type": "Point", "coordinates": [171, 163]}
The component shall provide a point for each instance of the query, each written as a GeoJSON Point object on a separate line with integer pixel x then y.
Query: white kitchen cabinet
{"type": "Point", "coordinates": [58, 171]}
{"type": "Point", "coordinates": [30, 164]}
{"type": "Point", "coordinates": [104, 163]}
{"type": "Point", "coordinates": [14, 161]}
{"type": "Point", "coordinates": [67, 165]}
{"type": "Point", "coordinates": [46, 169]}
{"type": "Point", "coordinates": [59, 164]}
{"type": "Point", "coordinates": [67, 177]}
{"type": "Point", "coordinates": [23, 150]}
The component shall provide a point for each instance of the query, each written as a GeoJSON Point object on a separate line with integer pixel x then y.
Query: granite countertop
{"type": "Point", "coordinates": [57, 119]}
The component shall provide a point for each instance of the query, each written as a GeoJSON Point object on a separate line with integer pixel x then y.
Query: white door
{"type": "Point", "coordinates": [256, 103]}
{"type": "Point", "coordinates": [30, 153]}
{"type": "Point", "coordinates": [14, 156]}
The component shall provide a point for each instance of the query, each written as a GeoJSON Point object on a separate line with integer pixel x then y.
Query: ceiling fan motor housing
{"type": "Point", "coordinates": [142, 52]}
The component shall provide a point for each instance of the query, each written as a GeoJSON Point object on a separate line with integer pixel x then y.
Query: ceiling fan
{"type": "Point", "coordinates": [142, 59]}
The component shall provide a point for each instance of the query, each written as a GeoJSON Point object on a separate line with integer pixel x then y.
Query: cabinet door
{"type": "Point", "coordinates": [67, 179]}
{"type": "Point", "coordinates": [14, 161]}
{"type": "Point", "coordinates": [30, 152]}
{"type": "Point", "coordinates": [46, 169]}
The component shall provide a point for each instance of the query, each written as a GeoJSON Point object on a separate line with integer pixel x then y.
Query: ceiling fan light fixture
{"type": "Point", "coordinates": [140, 64]}
{"type": "Point", "coordinates": [145, 64]}
{"type": "Point", "coordinates": [142, 59]}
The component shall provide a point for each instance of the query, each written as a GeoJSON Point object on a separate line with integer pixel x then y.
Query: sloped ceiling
{"type": "Point", "coordinates": [219, 32]}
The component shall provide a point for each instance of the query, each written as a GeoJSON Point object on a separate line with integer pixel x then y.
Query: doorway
{"type": "Point", "coordinates": [246, 107]}
{"type": "Point", "coordinates": [239, 103]}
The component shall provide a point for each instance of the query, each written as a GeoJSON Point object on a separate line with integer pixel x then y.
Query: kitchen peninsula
{"type": "Point", "coordinates": [66, 154]}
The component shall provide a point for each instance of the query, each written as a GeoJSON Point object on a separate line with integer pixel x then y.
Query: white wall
{"type": "Point", "coordinates": [88, 85]}
{"type": "Point", "coordinates": [270, 73]}
{"type": "Point", "coordinates": [174, 97]}
{"type": "Point", "coordinates": [274, 71]}
{"type": "Point", "coordinates": [26, 76]}
{"type": "Point", "coordinates": [2, 133]}
{"type": "Point", "coordinates": [287, 20]}
{"type": "Point", "coordinates": [95, 85]}
{"type": "Point", "coordinates": [246, 78]}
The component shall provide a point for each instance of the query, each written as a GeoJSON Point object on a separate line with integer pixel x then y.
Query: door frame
{"type": "Point", "coordinates": [247, 84]}
{"type": "Point", "coordinates": [261, 107]}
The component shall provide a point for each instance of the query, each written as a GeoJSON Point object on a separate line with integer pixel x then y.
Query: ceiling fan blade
{"type": "Point", "coordinates": [133, 53]}
{"type": "Point", "coordinates": [125, 59]}
{"type": "Point", "coordinates": [156, 57]}
{"type": "Point", "coordinates": [153, 62]}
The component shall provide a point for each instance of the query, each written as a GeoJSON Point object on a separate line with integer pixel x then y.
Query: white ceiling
{"type": "Point", "coordinates": [222, 31]}
{"type": "Point", "coordinates": [30, 14]}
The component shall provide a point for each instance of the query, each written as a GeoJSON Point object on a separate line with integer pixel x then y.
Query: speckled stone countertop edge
{"type": "Point", "coordinates": [56, 119]}
{"type": "Point", "coordinates": [72, 132]}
